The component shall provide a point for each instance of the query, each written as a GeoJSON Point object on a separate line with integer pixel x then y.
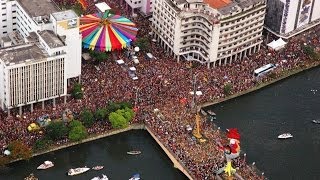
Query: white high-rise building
{"type": "Point", "coordinates": [40, 49]}
{"type": "Point", "coordinates": [213, 32]}
{"type": "Point", "coordinates": [286, 18]}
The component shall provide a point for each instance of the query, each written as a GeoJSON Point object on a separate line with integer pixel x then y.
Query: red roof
{"type": "Point", "coordinates": [217, 3]}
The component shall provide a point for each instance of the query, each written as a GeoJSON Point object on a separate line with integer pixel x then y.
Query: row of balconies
{"type": "Point", "coordinates": [195, 26]}
{"type": "Point", "coordinates": [201, 52]}
{"type": "Point", "coordinates": [200, 38]}
{"type": "Point", "coordinates": [244, 40]}
{"type": "Point", "coordinates": [243, 15]}
{"type": "Point", "coordinates": [224, 54]}
{"type": "Point", "coordinates": [242, 23]}
{"type": "Point", "coordinates": [200, 24]}
{"type": "Point", "coordinates": [194, 44]}
{"type": "Point", "coordinates": [196, 18]}
{"type": "Point", "coordinates": [241, 29]}
{"type": "Point", "coordinates": [232, 39]}
{"type": "Point", "coordinates": [195, 31]}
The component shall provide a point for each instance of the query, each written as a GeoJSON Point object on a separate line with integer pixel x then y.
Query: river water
{"type": "Point", "coordinates": [287, 106]}
{"type": "Point", "coordinates": [110, 152]}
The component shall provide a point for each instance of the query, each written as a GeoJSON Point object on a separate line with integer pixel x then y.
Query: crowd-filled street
{"type": "Point", "coordinates": [161, 84]}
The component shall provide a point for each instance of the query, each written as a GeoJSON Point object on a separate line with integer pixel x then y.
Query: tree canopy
{"type": "Point", "coordinates": [142, 43]}
{"type": "Point", "coordinates": [77, 131]}
{"type": "Point", "coordinates": [87, 118]}
{"type": "Point", "coordinates": [19, 150]}
{"type": "Point", "coordinates": [56, 130]}
{"type": "Point", "coordinates": [101, 113]}
{"type": "Point", "coordinates": [121, 117]}
{"type": "Point", "coordinates": [77, 92]}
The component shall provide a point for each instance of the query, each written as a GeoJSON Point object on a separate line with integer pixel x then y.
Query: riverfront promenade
{"type": "Point", "coordinates": [162, 84]}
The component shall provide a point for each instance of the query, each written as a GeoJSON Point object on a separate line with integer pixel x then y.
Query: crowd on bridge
{"type": "Point", "coordinates": [162, 83]}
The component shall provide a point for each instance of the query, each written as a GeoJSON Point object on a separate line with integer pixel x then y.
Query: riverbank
{"type": "Point", "coordinates": [171, 155]}
{"type": "Point", "coordinates": [176, 163]}
{"type": "Point", "coordinates": [285, 75]}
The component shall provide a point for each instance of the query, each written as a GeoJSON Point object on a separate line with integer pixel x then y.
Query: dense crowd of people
{"type": "Point", "coordinates": [161, 84]}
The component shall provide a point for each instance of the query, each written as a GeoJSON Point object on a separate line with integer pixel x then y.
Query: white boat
{"type": "Point", "coordinates": [316, 121]}
{"type": "Point", "coordinates": [77, 171]}
{"type": "Point", "coordinates": [97, 168]}
{"type": "Point", "coordinates": [45, 165]}
{"type": "Point", "coordinates": [135, 177]}
{"type": "Point", "coordinates": [285, 136]}
{"type": "Point", "coordinates": [104, 177]}
{"type": "Point", "coordinates": [134, 152]}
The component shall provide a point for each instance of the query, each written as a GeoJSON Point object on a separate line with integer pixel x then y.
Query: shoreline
{"type": "Point", "coordinates": [137, 126]}
{"type": "Point", "coordinates": [262, 85]}
{"type": "Point", "coordinates": [141, 126]}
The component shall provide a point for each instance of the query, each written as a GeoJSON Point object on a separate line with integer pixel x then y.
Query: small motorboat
{"type": "Point", "coordinates": [104, 177]}
{"type": "Point", "coordinates": [316, 121]}
{"type": "Point", "coordinates": [77, 171]}
{"type": "Point", "coordinates": [97, 168]}
{"type": "Point", "coordinates": [45, 165]}
{"type": "Point", "coordinates": [134, 152]}
{"type": "Point", "coordinates": [135, 177]}
{"type": "Point", "coordinates": [285, 136]}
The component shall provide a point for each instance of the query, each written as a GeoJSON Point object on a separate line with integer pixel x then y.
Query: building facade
{"type": "Point", "coordinates": [286, 18]}
{"type": "Point", "coordinates": [212, 32]}
{"type": "Point", "coordinates": [144, 6]}
{"type": "Point", "coordinates": [40, 50]}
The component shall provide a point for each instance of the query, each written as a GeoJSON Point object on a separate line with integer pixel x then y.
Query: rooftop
{"type": "Point", "coordinates": [216, 4]}
{"type": "Point", "coordinates": [103, 6]}
{"type": "Point", "coordinates": [51, 39]}
{"type": "Point", "coordinates": [37, 8]}
{"type": "Point", "coordinates": [20, 54]}
{"type": "Point", "coordinates": [64, 15]}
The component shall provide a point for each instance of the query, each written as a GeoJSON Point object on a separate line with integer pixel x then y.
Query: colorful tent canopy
{"type": "Point", "coordinates": [106, 32]}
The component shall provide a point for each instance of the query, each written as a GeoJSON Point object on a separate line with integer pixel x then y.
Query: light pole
{"type": "Point", "coordinates": [194, 100]}
{"type": "Point", "coordinates": [136, 99]}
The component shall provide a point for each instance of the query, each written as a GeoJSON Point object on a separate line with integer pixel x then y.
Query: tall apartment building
{"type": "Point", "coordinates": [286, 18]}
{"type": "Point", "coordinates": [212, 32]}
{"type": "Point", "coordinates": [144, 6]}
{"type": "Point", "coordinates": [40, 49]}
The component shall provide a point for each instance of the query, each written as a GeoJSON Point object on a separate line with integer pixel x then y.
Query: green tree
{"type": "Point", "coordinates": [42, 144]}
{"type": "Point", "coordinates": [114, 106]}
{"type": "Point", "coordinates": [101, 113]}
{"type": "Point", "coordinates": [99, 56]}
{"type": "Point", "coordinates": [78, 132]}
{"type": "Point", "coordinates": [309, 50]}
{"type": "Point", "coordinates": [74, 123]}
{"type": "Point", "coordinates": [227, 89]}
{"type": "Point", "coordinates": [87, 118]}
{"type": "Point", "coordinates": [77, 8]}
{"type": "Point", "coordinates": [77, 92]}
{"type": "Point", "coordinates": [118, 121]}
{"type": "Point", "coordinates": [127, 113]}
{"type": "Point", "coordinates": [19, 150]}
{"type": "Point", "coordinates": [56, 130]}
{"type": "Point", "coordinates": [142, 43]}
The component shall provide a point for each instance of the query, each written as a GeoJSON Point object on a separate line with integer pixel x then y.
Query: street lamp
{"type": "Point", "coordinates": [196, 132]}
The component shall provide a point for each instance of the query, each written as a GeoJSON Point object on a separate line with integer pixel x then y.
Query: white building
{"type": "Point", "coordinates": [213, 32]}
{"type": "Point", "coordinates": [40, 49]}
{"type": "Point", "coordinates": [286, 18]}
{"type": "Point", "coordinates": [144, 6]}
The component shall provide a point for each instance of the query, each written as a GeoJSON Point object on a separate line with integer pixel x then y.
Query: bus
{"type": "Point", "coordinates": [263, 70]}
